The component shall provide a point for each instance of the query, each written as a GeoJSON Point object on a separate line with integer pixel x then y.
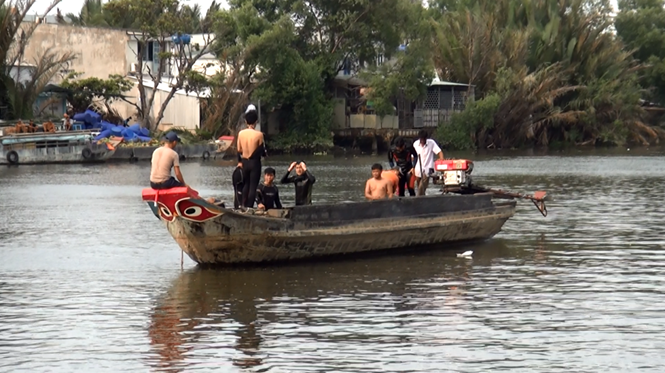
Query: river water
{"type": "Point", "coordinates": [91, 281]}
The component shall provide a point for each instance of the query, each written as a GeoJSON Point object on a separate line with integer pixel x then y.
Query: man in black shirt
{"type": "Point", "coordinates": [405, 157]}
{"type": "Point", "coordinates": [303, 181]}
{"type": "Point", "coordinates": [267, 194]}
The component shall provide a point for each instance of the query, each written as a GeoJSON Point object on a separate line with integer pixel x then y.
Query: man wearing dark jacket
{"type": "Point", "coordinates": [303, 181]}
{"type": "Point", "coordinates": [405, 157]}
{"type": "Point", "coordinates": [267, 194]}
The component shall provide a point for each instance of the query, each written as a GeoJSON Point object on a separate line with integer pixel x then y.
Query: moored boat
{"type": "Point", "coordinates": [58, 147]}
{"type": "Point", "coordinates": [210, 234]}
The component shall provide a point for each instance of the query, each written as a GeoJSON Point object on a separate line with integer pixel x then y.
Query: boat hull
{"type": "Point", "coordinates": [210, 246]}
{"type": "Point", "coordinates": [306, 232]}
{"type": "Point", "coordinates": [73, 147]}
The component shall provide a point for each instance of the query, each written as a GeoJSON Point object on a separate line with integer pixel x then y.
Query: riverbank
{"type": "Point", "coordinates": [144, 153]}
{"type": "Point", "coordinates": [364, 145]}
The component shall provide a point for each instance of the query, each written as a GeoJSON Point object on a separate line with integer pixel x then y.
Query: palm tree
{"type": "Point", "coordinates": [192, 17]}
{"type": "Point", "coordinates": [561, 74]}
{"type": "Point", "coordinates": [92, 14]}
{"type": "Point", "coordinates": [207, 23]}
{"type": "Point", "coordinates": [19, 96]}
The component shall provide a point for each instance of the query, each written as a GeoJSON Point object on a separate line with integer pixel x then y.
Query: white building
{"type": "Point", "coordinates": [184, 109]}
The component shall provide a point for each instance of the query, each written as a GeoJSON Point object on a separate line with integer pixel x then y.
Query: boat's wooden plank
{"type": "Point", "coordinates": [395, 208]}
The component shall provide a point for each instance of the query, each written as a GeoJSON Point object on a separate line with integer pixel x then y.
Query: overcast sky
{"type": "Point", "coordinates": [74, 6]}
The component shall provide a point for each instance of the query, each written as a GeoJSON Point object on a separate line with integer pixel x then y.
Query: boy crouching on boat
{"type": "Point", "coordinates": [378, 187]}
{"type": "Point", "coordinates": [267, 194]}
{"type": "Point", "coordinates": [163, 160]}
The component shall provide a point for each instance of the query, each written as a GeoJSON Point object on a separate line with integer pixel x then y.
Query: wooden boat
{"type": "Point", "coordinates": [211, 234]}
{"type": "Point", "coordinates": [224, 143]}
{"type": "Point", "coordinates": [58, 147]}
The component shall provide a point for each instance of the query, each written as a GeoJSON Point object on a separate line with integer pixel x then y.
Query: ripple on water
{"type": "Point", "coordinates": [89, 280]}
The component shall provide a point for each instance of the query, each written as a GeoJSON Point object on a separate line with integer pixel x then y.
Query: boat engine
{"type": "Point", "coordinates": [454, 175]}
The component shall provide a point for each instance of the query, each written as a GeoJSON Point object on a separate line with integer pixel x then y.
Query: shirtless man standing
{"type": "Point", "coordinates": [378, 187]}
{"type": "Point", "coordinates": [251, 147]}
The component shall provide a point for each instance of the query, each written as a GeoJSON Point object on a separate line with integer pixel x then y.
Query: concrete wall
{"type": "Point", "coordinates": [182, 111]}
{"type": "Point", "coordinates": [339, 114]}
{"type": "Point", "coordinates": [99, 51]}
{"type": "Point", "coordinates": [371, 121]}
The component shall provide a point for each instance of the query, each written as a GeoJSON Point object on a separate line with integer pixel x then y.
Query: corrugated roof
{"type": "Point", "coordinates": [436, 81]}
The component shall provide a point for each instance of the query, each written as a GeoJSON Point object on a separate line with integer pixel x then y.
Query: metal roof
{"type": "Point", "coordinates": [437, 82]}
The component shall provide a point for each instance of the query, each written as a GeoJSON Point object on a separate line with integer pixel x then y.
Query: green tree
{"type": "Point", "coordinates": [641, 25]}
{"type": "Point", "coordinates": [298, 47]}
{"type": "Point", "coordinates": [157, 22]}
{"type": "Point", "coordinates": [411, 68]}
{"type": "Point", "coordinates": [20, 84]}
{"type": "Point", "coordinates": [293, 85]}
{"type": "Point", "coordinates": [82, 93]}
{"type": "Point", "coordinates": [561, 74]}
{"type": "Point", "coordinates": [91, 14]}
{"type": "Point", "coordinates": [336, 33]}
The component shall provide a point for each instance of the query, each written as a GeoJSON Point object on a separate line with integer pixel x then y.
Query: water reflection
{"type": "Point", "coordinates": [213, 313]}
{"type": "Point", "coordinates": [90, 281]}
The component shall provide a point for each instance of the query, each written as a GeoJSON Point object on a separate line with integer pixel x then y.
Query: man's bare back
{"type": "Point", "coordinates": [378, 189]}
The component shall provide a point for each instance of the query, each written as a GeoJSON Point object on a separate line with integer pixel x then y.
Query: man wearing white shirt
{"type": "Point", "coordinates": [426, 148]}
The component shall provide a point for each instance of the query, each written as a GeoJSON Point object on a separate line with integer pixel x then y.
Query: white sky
{"type": "Point", "coordinates": [74, 6]}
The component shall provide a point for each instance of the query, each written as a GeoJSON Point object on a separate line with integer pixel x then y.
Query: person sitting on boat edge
{"type": "Point", "coordinates": [48, 127]}
{"type": "Point", "coordinates": [405, 158]}
{"type": "Point", "coordinates": [267, 194]}
{"type": "Point", "coordinates": [303, 181]}
{"type": "Point", "coordinates": [378, 187]}
{"type": "Point", "coordinates": [68, 123]}
{"type": "Point", "coordinates": [20, 127]}
{"type": "Point", "coordinates": [426, 148]}
{"type": "Point", "coordinates": [163, 160]}
{"type": "Point", "coordinates": [251, 147]}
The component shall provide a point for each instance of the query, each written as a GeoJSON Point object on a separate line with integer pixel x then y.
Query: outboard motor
{"type": "Point", "coordinates": [454, 175]}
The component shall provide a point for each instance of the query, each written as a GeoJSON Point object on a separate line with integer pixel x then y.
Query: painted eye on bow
{"type": "Point", "coordinates": [192, 212]}
{"type": "Point", "coordinates": [165, 213]}
{"type": "Point", "coordinates": [189, 210]}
